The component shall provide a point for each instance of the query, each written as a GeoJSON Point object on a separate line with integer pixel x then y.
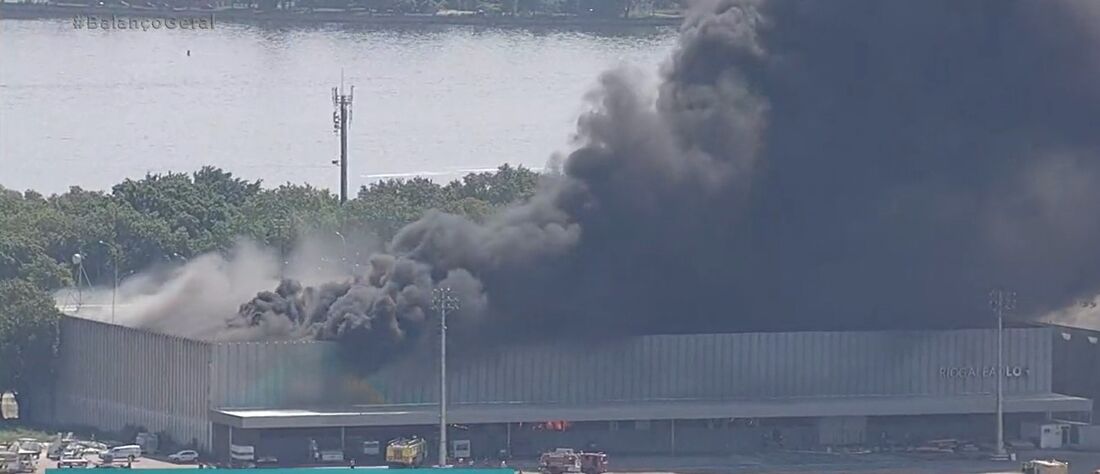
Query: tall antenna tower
{"type": "Point", "coordinates": [341, 119]}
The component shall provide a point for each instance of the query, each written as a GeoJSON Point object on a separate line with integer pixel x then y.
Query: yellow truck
{"type": "Point", "coordinates": [406, 452]}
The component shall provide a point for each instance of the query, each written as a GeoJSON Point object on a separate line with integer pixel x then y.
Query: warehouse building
{"type": "Point", "coordinates": [708, 393]}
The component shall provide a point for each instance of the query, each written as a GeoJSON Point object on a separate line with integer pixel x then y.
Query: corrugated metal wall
{"type": "Point", "coordinates": [112, 376]}
{"type": "Point", "coordinates": [729, 366]}
{"type": "Point", "coordinates": [711, 366]}
{"type": "Point", "coordinates": [272, 374]}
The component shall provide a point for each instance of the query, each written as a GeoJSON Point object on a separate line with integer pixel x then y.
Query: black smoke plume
{"type": "Point", "coordinates": [803, 165]}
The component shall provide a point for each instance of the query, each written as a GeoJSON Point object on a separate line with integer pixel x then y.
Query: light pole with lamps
{"type": "Point", "coordinates": [1001, 301]}
{"type": "Point", "coordinates": [443, 300]}
{"type": "Point", "coordinates": [114, 290]}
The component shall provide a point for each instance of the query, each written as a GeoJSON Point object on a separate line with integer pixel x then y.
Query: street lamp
{"type": "Point", "coordinates": [344, 255]}
{"type": "Point", "coordinates": [114, 290]}
{"type": "Point", "coordinates": [1001, 301]}
{"type": "Point", "coordinates": [78, 262]}
{"type": "Point", "coordinates": [443, 300]}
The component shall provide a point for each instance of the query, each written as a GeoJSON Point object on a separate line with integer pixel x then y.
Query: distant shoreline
{"type": "Point", "coordinates": [24, 11]}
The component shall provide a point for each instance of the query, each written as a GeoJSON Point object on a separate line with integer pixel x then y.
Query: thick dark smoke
{"type": "Point", "coordinates": [804, 165]}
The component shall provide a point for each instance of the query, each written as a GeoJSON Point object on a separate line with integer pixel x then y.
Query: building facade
{"type": "Point", "coordinates": [708, 393]}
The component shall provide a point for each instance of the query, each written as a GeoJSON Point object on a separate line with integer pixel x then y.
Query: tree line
{"type": "Point", "coordinates": [166, 218]}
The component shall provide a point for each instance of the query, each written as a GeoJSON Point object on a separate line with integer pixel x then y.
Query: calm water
{"type": "Point", "coordinates": [90, 108]}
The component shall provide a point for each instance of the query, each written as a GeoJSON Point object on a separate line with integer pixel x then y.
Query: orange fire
{"type": "Point", "coordinates": [556, 425]}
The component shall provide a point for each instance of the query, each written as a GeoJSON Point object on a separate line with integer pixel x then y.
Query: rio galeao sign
{"type": "Point", "coordinates": [982, 372]}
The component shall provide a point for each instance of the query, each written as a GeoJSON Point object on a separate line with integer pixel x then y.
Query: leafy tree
{"type": "Point", "coordinates": [384, 207]}
{"type": "Point", "coordinates": [469, 207]}
{"type": "Point", "coordinates": [28, 339]}
{"type": "Point", "coordinates": [278, 217]}
{"type": "Point", "coordinates": [197, 209]}
{"type": "Point", "coordinates": [504, 186]}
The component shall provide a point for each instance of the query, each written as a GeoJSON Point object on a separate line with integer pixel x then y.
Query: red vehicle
{"type": "Point", "coordinates": [593, 463]}
{"type": "Point", "coordinates": [563, 460]}
{"type": "Point", "coordinates": [559, 461]}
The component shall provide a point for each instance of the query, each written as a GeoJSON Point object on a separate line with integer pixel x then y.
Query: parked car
{"type": "Point", "coordinates": [129, 452]}
{"type": "Point", "coordinates": [186, 455]}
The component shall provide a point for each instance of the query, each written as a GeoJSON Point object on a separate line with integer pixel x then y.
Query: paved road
{"type": "Point", "coordinates": [142, 463]}
{"type": "Point", "coordinates": [785, 463]}
{"type": "Point", "coordinates": [795, 463]}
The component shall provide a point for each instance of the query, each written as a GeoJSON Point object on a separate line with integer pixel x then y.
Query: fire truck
{"type": "Point", "coordinates": [559, 461]}
{"type": "Point", "coordinates": [564, 460]}
{"type": "Point", "coordinates": [593, 463]}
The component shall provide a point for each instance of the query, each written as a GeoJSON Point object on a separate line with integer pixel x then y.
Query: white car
{"type": "Point", "coordinates": [186, 455]}
{"type": "Point", "coordinates": [129, 452]}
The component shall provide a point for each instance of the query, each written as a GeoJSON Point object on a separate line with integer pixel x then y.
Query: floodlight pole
{"type": "Point", "coordinates": [443, 386]}
{"type": "Point", "coordinates": [1001, 301]}
{"type": "Point", "coordinates": [444, 301]}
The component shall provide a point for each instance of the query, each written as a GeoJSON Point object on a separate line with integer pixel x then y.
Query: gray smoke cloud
{"type": "Point", "coordinates": [803, 165]}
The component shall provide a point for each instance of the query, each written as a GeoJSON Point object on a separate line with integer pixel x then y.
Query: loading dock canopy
{"type": "Point", "coordinates": [428, 414]}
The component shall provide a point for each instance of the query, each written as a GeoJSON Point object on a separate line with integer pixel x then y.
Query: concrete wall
{"type": "Point", "coordinates": [1088, 437]}
{"type": "Point", "coordinates": [111, 376]}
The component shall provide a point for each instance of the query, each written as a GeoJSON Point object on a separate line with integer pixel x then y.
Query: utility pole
{"type": "Point", "coordinates": [341, 118]}
{"type": "Point", "coordinates": [444, 301]}
{"type": "Point", "coordinates": [1001, 301]}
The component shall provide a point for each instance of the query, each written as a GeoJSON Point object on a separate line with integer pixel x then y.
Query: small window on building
{"type": "Point", "coordinates": [642, 425]}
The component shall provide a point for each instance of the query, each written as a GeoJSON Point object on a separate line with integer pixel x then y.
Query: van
{"type": "Point", "coordinates": [129, 452]}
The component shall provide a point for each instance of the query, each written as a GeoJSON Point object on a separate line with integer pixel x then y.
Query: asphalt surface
{"type": "Point", "coordinates": [802, 463]}
{"type": "Point", "coordinates": [774, 463]}
{"type": "Point", "coordinates": [140, 463]}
